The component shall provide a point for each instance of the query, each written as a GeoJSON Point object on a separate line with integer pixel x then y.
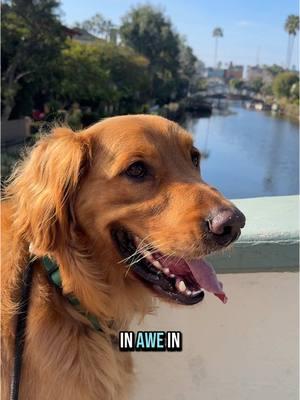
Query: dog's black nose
{"type": "Point", "coordinates": [226, 223]}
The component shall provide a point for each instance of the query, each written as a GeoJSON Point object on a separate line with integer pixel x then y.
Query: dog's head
{"type": "Point", "coordinates": [131, 189]}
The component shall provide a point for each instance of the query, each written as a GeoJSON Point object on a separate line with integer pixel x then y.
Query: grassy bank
{"type": "Point", "coordinates": [288, 109]}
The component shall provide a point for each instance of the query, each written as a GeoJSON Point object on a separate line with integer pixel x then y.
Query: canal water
{"type": "Point", "coordinates": [248, 153]}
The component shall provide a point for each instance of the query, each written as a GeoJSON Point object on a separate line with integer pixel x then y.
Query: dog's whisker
{"type": "Point", "coordinates": [127, 271]}
{"type": "Point", "coordinates": [167, 256]}
{"type": "Point", "coordinates": [142, 241]}
{"type": "Point", "coordinates": [147, 247]}
{"type": "Point", "coordinates": [134, 261]}
{"type": "Point", "coordinates": [136, 253]}
{"type": "Point", "coordinates": [142, 252]}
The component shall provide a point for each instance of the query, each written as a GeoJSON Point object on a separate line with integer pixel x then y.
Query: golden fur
{"type": "Point", "coordinates": [63, 199]}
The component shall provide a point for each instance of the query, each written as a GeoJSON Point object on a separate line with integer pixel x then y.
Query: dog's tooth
{"type": "Point", "coordinates": [195, 292]}
{"type": "Point", "coordinates": [148, 255]}
{"type": "Point", "coordinates": [181, 286]}
{"type": "Point", "coordinates": [157, 264]}
{"type": "Point", "coordinates": [188, 292]}
{"type": "Point", "coordinates": [166, 271]}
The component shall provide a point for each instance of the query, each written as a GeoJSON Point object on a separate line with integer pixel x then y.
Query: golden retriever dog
{"type": "Point", "coordinates": [123, 212]}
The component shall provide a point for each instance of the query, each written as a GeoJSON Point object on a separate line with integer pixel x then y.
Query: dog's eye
{"type": "Point", "coordinates": [195, 156]}
{"type": "Point", "coordinates": [137, 170]}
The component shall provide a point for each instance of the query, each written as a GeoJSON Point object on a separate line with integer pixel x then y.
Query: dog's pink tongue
{"type": "Point", "coordinates": [205, 275]}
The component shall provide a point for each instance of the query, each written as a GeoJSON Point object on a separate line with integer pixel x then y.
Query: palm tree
{"type": "Point", "coordinates": [291, 26]}
{"type": "Point", "coordinates": [217, 33]}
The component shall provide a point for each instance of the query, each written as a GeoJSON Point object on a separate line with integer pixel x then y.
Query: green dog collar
{"type": "Point", "coordinates": [54, 275]}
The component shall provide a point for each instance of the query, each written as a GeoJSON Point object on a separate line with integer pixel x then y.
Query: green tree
{"type": "Point", "coordinates": [151, 34]}
{"type": "Point", "coordinates": [32, 39]}
{"type": "Point", "coordinates": [187, 60]}
{"type": "Point", "coordinates": [187, 69]}
{"type": "Point", "coordinates": [294, 92]}
{"type": "Point", "coordinates": [256, 85]}
{"type": "Point", "coordinates": [283, 83]}
{"type": "Point", "coordinates": [266, 90]}
{"type": "Point", "coordinates": [291, 26]}
{"type": "Point", "coordinates": [99, 26]}
{"type": "Point", "coordinates": [217, 33]}
{"type": "Point", "coordinates": [128, 72]}
{"type": "Point", "coordinates": [274, 69]}
{"type": "Point", "coordinates": [84, 78]}
{"type": "Point", "coordinates": [103, 76]}
{"type": "Point", "coordinates": [237, 84]}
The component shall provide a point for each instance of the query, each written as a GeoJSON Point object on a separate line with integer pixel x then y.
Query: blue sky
{"type": "Point", "coordinates": [253, 30]}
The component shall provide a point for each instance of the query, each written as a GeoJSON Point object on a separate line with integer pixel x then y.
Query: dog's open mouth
{"type": "Point", "coordinates": [182, 280]}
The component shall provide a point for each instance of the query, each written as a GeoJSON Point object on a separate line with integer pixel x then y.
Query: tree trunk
{"type": "Point", "coordinates": [288, 52]}
{"type": "Point", "coordinates": [291, 50]}
{"type": "Point", "coordinates": [10, 89]}
{"type": "Point", "coordinates": [7, 111]}
{"type": "Point", "coordinates": [216, 52]}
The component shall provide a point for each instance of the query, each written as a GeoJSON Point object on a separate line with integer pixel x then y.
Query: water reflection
{"type": "Point", "coordinates": [248, 153]}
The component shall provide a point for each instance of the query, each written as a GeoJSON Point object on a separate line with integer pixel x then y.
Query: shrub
{"type": "Point", "coordinates": [283, 83]}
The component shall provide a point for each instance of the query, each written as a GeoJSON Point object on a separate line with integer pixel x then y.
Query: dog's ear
{"type": "Point", "coordinates": [45, 184]}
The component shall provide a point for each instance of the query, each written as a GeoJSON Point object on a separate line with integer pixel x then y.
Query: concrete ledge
{"type": "Point", "coordinates": [270, 240]}
{"type": "Point", "coordinates": [247, 349]}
